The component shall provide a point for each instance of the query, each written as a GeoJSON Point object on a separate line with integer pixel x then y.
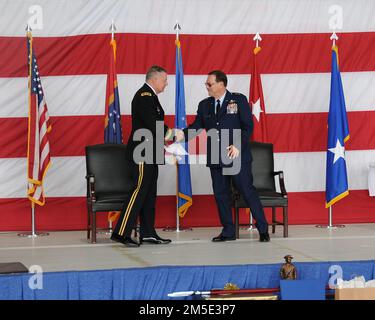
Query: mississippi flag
{"type": "Point", "coordinates": [38, 152]}
{"type": "Point", "coordinates": [338, 134]}
{"type": "Point", "coordinates": [257, 102]}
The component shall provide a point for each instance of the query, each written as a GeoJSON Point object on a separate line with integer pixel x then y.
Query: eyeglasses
{"type": "Point", "coordinates": [209, 84]}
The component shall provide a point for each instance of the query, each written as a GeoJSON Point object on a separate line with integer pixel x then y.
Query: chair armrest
{"type": "Point", "coordinates": [276, 173]}
{"type": "Point", "coordinates": [281, 182]}
{"type": "Point", "coordinates": [91, 187]}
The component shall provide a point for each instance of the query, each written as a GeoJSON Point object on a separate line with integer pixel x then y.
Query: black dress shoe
{"type": "Point", "coordinates": [264, 237]}
{"type": "Point", "coordinates": [127, 241]}
{"type": "Point", "coordinates": [221, 238]}
{"type": "Point", "coordinates": [155, 240]}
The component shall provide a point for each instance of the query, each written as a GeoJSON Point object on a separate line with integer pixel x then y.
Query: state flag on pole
{"type": "Point", "coordinates": [338, 134]}
{"type": "Point", "coordinates": [257, 102]}
{"type": "Point", "coordinates": [184, 193]}
{"type": "Point", "coordinates": [38, 151]}
{"type": "Point", "coordinates": [112, 124]}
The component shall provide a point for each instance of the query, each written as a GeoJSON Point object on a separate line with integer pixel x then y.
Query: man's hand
{"type": "Point", "coordinates": [232, 152]}
{"type": "Point", "coordinates": [169, 135]}
{"type": "Point", "coordinates": [179, 135]}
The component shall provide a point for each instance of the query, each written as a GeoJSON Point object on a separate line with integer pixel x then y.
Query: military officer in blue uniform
{"type": "Point", "coordinates": [148, 130]}
{"type": "Point", "coordinates": [225, 116]}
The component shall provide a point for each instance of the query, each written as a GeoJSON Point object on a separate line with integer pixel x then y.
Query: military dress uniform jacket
{"type": "Point", "coordinates": [146, 112]}
{"type": "Point", "coordinates": [235, 113]}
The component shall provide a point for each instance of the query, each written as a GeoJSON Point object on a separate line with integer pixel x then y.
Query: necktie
{"type": "Point", "coordinates": [217, 108]}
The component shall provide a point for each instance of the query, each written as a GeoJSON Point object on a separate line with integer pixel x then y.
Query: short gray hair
{"type": "Point", "coordinates": [153, 70]}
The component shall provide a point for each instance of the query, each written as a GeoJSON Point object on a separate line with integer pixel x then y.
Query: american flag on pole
{"type": "Point", "coordinates": [257, 102]}
{"type": "Point", "coordinates": [38, 152]}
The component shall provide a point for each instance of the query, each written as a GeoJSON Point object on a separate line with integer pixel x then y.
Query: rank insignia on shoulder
{"type": "Point", "coordinates": [148, 94]}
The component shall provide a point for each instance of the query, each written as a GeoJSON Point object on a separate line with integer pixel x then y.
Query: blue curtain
{"type": "Point", "coordinates": [157, 282]}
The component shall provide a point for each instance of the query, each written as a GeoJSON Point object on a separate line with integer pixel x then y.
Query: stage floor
{"type": "Point", "coordinates": [70, 250]}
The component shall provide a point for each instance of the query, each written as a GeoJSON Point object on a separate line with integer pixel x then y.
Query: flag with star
{"type": "Point", "coordinates": [257, 102]}
{"type": "Point", "coordinates": [112, 124]}
{"type": "Point", "coordinates": [338, 134]}
{"type": "Point", "coordinates": [184, 193]}
{"type": "Point", "coordinates": [38, 151]}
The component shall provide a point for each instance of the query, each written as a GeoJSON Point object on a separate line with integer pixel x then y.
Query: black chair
{"type": "Point", "coordinates": [109, 182]}
{"type": "Point", "coordinates": [264, 182]}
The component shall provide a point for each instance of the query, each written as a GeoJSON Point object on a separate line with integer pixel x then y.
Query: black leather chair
{"type": "Point", "coordinates": [109, 182]}
{"type": "Point", "coordinates": [264, 181]}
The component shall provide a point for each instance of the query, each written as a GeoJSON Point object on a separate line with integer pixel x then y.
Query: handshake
{"type": "Point", "coordinates": [175, 134]}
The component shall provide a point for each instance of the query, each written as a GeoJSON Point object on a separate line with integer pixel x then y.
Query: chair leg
{"type": "Point", "coordinates": [88, 220]}
{"type": "Point", "coordinates": [285, 221]}
{"type": "Point", "coordinates": [236, 221]}
{"type": "Point", "coordinates": [273, 219]}
{"type": "Point", "coordinates": [93, 227]}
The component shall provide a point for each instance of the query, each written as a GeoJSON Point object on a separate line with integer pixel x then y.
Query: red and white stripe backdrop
{"type": "Point", "coordinates": [72, 49]}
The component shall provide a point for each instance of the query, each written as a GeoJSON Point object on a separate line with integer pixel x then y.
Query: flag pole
{"type": "Point", "coordinates": [177, 215]}
{"type": "Point", "coordinates": [333, 37]}
{"type": "Point", "coordinates": [257, 38]}
{"type": "Point", "coordinates": [177, 28]}
{"type": "Point", "coordinates": [251, 227]}
{"type": "Point", "coordinates": [113, 29]}
{"type": "Point", "coordinates": [33, 233]}
{"type": "Point", "coordinates": [330, 225]}
{"type": "Point", "coordinates": [33, 220]}
{"type": "Point", "coordinates": [251, 223]}
{"type": "Point", "coordinates": [177, 228]}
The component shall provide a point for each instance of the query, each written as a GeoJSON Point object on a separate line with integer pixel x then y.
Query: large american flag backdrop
{"type": "Point", "coordinates": [71, 40]}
